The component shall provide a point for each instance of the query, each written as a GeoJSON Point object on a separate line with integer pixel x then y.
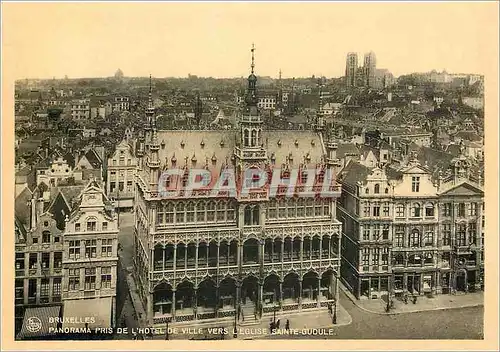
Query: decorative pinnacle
{"type": "Point", "coordinates": [253, 58]}
{"type": "Point", "coordinates": [150, 101]}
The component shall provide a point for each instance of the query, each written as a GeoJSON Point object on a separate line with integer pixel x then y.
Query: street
{"type": "Point", "coordinates": [461, 323]}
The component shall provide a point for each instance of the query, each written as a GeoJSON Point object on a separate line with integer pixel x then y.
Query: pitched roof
{"type": "Point", "coordinates": [347, 148]}
{"type": "Point", "coordinates": [354, 172]}
{"type": "Point", "coordinates": [22, 208]}
{"type": "Point", "coordinates": [93, 159]}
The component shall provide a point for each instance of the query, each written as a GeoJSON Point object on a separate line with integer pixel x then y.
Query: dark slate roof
{"type": "Point", "coordinates": [70, 159]}
{"type": "Point", "coordinates": [453, 149]}
{"type": "Point", "coordinates": [93, 159]}
{"type": "Point", "coordinates": [25, 171]}
{"type": "Point", "coordinates": [392, 173]}
{"type": "Point", "coordinates": [354, 172]}
{"type": "Point", "coordinates": [22, 208]}
{"type": "Point", "coordinates": [467, 135]}
{"type": "Point", "coordinates": [59, 208]}
{"type": "Point", "coordinates": [347, 148]}
{"type": "Point", "coordinates": [435, 159]}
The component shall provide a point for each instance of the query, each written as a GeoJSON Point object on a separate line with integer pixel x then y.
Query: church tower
{"type": "Point", "coordinates": [251, 149]}
{"type": "Point", "coordinates": [153, 161]}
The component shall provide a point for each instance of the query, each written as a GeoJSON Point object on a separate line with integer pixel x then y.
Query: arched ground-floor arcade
{"type": "Point", "coordinates": [249, 298]}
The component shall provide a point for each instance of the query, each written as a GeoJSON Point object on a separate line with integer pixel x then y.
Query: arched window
{"type": "Point", "coordinates": [256, 215]}
{"type": "Point", "coordinates": [254, 138]}
{"type": "Point", "coordinates": [414, 238]}
{"type": "Point", "coordinates": [251, 215]}
{"type": "Point", "coordinates": [190, 210]}
{"type": "Point", "coordinates": [246, 138]}
{"type": "Point", "coordinates": [386, 190]}
{"type": "Point", "coordinates": [211, 211]}
{"type": "Point", "coordinates": [367, 191]}
{"type": "Point", "coordinates": [416, 213]}
{"type": "Point", "coordinates": [377, 188]}
{"type": "Point", "coordinates": [91, 224]}
{"type": "Point", "coordinates": [169, 213]}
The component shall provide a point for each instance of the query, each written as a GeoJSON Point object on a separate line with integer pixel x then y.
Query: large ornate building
{"type": "Point", "coordinates": [409, 231]}
{"type": "Point", "coordinates": [243, 254]}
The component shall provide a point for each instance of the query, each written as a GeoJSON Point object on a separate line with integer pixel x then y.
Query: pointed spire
{"type": "Point", "coordinates": [253, 58]}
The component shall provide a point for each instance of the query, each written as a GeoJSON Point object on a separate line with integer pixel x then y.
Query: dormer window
{"type": "Point", "coordinates": [214, 159]}
{"type": "Point", "coordinates": [376, 188]}
{"type": "Point", "coordinates": [313, 142]}
{"type": "Point", "coordinates": [193, 159]}
{"type": "Point", "coordinates": [296, 143]}
{"type": "Point", "coordinates": [182, 144]}
{"type": "Point", "coordinates": [202, 144]}
{"type": "Point", "coordinates": [222, 143]}
{"type": "Point", "coordinates": [279, 143]}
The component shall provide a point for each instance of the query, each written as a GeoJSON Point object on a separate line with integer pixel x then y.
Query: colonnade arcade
{"type": "Point", "coordinates": [210, 299]}
{"type": "Point", "coordinates": [228, 253]}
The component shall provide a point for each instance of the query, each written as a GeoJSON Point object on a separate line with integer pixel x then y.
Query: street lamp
{"type": "Point", "coordinates": [235, 330]}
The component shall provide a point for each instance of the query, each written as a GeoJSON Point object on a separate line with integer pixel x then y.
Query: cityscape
{"type": "Point", "coordinates": [260, 208]}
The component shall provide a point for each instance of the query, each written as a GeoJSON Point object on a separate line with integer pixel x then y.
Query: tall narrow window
{"type": "Point", "coordinates": [415, 184]}
{"type": "Point", "coordinates": [376, 189]}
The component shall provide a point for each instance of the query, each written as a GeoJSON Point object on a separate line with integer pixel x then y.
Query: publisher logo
{"type": "Point", "coordinates": [34, 324]}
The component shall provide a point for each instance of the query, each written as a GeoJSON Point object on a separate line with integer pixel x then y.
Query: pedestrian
{"type": "Point", "coordinates": [287, 325]}
{"type": "Point", "coordinates": [278, 324]}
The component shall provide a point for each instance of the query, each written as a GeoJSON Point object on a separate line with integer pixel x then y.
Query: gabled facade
{"type": "Point", "coordinates": [121, 172]}
{"type": "Point", "coordinates": [90, 259]}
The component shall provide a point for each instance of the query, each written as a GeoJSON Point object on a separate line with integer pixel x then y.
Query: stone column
{"type": "Point", "coordinates": [196, 258]}
{"type": "Point", "coordinates": [282, 250]}
{"type": "Point", "coordinates": [164, 258]}
{"type": "Point", "coordinates": [300, 292]}
{"type": "Point", "coordinates": [173, 304]}
{"type": "Point", "coordinates": [218, 257]}
{"type": "Point", "coordinates": [186, 256]}
{"type": "Point", "coordinates": [149, 312]}
{"type": "Point", "coordinates": [319, 291]}
{"type": "Point", "coordinates": [281, 295]}
{"type": "Point", "coordinates": [175, 257]}
{"type": "Point", "coordinates": [238, 255]}
{"type": "Point", "coordinates": [195, 302]}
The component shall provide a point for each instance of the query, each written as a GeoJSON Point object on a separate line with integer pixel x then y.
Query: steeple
{"type": "Point", "coordinates": [251, 98]}
{"type": "Point", "coordinates": [154, 145]}
{"type": "Point", "coordinates": [151, 109]}
{"type": "Point", "coordinates": [319, 117]}
{"type": "Point", "coordinates": [251, 121]}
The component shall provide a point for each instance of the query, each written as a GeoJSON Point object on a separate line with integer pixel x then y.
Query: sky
{"type": "Point", "coordinates": [46, 40]}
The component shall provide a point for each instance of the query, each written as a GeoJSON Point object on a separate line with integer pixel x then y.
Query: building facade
{"type": "Point", "coordinates": [90, 259]}
{"type": "Point", "coordinates": [235, 256]}
{"type": "Point", "coordinates": [407, 232]}
{"type": "Point", "coordinates": [80, 109]}
{"type": "Point", "coordinates": [121, 172]}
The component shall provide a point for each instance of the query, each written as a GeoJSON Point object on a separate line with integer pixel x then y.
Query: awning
{"type": "Point", "coordinates": [95, 311]}
{"type": "Point", "coordinates": [39, 321]}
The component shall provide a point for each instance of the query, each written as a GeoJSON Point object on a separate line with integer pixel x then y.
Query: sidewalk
{"type": "Point", "coordinates": [438, 302]}
{"type": "Point", "coordinates": [301, 323]}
